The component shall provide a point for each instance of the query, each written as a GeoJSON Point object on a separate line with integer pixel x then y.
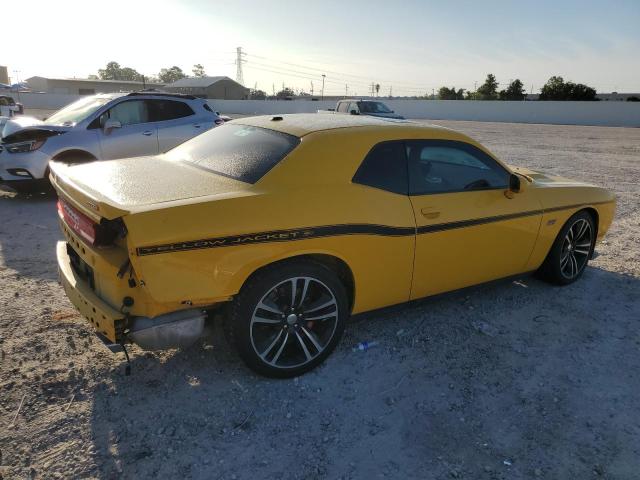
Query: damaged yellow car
{"type": "Point", "coordinates": [290, 224]}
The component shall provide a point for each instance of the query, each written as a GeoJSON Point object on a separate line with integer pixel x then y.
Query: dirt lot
{"type": "Point", "coordinates": [512, 380]}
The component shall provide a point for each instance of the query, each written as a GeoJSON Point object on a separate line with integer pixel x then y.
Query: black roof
{"type": "Point", "coordinates": [156, 93]}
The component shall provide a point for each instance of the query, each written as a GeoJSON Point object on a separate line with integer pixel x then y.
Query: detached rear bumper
{"type": "Point", "coordinates": [107, 321]}
{"type": "Point", "coordinates": [172, 330]}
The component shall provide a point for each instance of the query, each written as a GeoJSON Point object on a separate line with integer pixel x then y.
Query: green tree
{"type": "Point", "coordinates": [198, 70]}
{"type": "Point", "coordinates": [581, 92]}
{"type": "Point", "coordinates": [285, 92]}
{"type": "Point", "coordinates": [554, 89]}
{"type": "Point", "coordinates": [472, 96]}
{"type": "Point", "coordinates": [127, 73]}
{"type": "Point", "coordinates": [450, 93]}
{"type": "Point", "coordinates": [110, 72]}
{"type": "Point", "coordinates": [113, 71]}
{"type": "Point", "coordinates": [170, 75]}
{"type": "Point", "coordinates": [377, 89]}
{"type": "Point", "coordinates": [257, 94]}
{"type": "Point", "coordinates": [489, 89]}
{"type": "Point", "coordinates": [557, 89]}
{"type": "Point", "coordinates": [515, 91]}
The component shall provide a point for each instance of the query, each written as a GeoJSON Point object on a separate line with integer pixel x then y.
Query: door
{"type": "Point", "coordinates": [470, 229]}
{"type": "Point", "coordinates": [176, 122]}
{"type": "Point", "coordinates": [382, 261]}
{"type": "Point", "coordinates": [135, 137]}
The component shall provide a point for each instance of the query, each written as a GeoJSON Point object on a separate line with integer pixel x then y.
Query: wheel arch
{"type": "Point", "coordinates": [595, 216]}
{"type": "Point", "coordinates": [70, 154]}
{"type": "Point", "coordinates": [333, 262]}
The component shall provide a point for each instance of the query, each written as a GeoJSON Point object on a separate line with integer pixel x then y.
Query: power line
{"type": "Point", "coordinates": [368, 79]}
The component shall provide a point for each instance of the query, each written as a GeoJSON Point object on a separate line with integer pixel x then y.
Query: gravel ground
{"type": "Point", "coordinates": [510, 380]}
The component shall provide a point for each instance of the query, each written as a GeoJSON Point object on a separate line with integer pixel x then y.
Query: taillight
{"type": "Point", "coordinates": [93, 233]}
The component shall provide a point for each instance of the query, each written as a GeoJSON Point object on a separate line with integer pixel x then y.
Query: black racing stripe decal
{"type": "Point", "coordinates": [569, 207]}
{"type": "Point", "coordinates": [335, 230]}
{"type": "Point", "coordinates": [439, 227]}
{"type": "Point", "coordinates": [280, 236]}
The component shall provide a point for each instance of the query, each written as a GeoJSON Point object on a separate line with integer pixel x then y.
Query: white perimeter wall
{"type": "Point", "coordinates": [619, 114]}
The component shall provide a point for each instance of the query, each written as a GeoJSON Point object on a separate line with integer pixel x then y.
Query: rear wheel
{"type": "Point", "coordinates": [288, 318]}
{"type": "Point", "coordinates": [571, 250]}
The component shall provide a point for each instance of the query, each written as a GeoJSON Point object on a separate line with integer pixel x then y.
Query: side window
{"type": "Point", "coordinates": [130, 112]}
{"type": "Point", "coordinates": [441, 166]}
{"type": "Point", "coordinates": [162, 110]}
{"type": "Point", "coordinates": [354, 106]}
{"type": "Point", "coordinates": [384, 167]}
{"type": "Point", "coordinates": [342, 107]}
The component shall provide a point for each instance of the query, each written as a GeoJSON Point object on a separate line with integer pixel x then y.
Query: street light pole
{"type": "Point", "coordinates": [322, 97]}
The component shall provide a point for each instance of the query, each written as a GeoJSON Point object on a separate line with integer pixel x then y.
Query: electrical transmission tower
{"type": "Point", "coordinates": [239, 62]}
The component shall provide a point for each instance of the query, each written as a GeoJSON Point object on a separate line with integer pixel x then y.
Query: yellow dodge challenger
{"type": "Point", "coordinates": [290, 224]}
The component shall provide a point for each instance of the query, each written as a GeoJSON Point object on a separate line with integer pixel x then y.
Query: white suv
{"type": "Point", "coordinates": [102, 127]}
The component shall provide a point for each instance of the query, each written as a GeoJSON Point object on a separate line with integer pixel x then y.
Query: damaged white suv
{"type": "Point", "coordinates": [102, 127]}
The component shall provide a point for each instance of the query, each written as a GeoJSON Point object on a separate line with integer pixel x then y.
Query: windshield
{"type": "Point", "coordinates": [77, 111]}
{"type": "Point", "coordinates": [373, 107]}
{"type": "Point", "coordinates": [240, 152]}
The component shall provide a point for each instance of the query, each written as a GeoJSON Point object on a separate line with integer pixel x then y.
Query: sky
{"type": "Point", "coordinates": [408, 47]}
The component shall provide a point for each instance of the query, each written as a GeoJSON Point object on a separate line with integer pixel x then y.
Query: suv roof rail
{"type": "Point", "coordinates": [158, 93]}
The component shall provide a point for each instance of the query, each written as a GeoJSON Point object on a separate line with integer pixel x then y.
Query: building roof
{"type": "Point", "coordinates": [198, 82]}
{"type": "Point", "coordinates": [93, 80]}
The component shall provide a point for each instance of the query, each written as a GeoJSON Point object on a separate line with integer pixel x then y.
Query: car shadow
{"type": "Point", "coordinates": [29, 231]}
{"type": "Point", "coordinates": [511, 370]}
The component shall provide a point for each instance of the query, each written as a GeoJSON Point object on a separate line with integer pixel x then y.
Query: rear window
{"type": "Point", "coordinates": [161, 110]}
{"type": "Point", "coordinates": [240, 152]}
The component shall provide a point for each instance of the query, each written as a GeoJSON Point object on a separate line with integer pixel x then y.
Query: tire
{"type": "Point", "coordinates": [571, 251]}
{"type": "Point", "coordinates": [277, 341]}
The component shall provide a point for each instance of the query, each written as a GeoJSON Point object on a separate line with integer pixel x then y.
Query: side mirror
{"type": "Point", "coordinates": [354, 112]}
{"type": "Point", "coordinates": [514, 183]}
{"type": "Point", "coordinates": [110, 125]}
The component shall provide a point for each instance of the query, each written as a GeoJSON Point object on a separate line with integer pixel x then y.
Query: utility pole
{"type": "Point", "coordinates": [312, 88]}
{"type": "Point", "coordinates": [346, 90]}
{"type": "Point", "coordinates": [322, 97]}
{"type": "Point", "coordinates": [391, 91]}
{"type": "Point", "coordinates": [239, 62]}
{"type": "Point", "coordinates": [17, 79]}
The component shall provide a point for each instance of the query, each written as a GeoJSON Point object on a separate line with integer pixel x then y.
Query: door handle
{"type": "Point", "coordinates": [196, 125]}
{"type": "Point", "coordinates": [147, 133]}
{"type": "Point", "coordinates": [429, 212]}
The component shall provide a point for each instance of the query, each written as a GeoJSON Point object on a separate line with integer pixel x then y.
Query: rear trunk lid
{"type": "Point", "coordinates": [112, 189]}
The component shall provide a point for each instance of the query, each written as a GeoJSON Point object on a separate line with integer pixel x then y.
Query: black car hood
{"type": "Point", "coordinates": [34, 132]}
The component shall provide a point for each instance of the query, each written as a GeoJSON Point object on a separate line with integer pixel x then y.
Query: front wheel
{"type": "Point", "coordinates": [288, 318]}
{"type": "Point", "coordinates": [571, 250]}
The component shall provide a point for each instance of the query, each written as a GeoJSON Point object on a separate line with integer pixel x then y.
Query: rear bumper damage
{"type": "Point", "coordinates": [172, 330]}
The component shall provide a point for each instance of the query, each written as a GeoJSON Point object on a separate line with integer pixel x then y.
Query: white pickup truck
{"type": "Point", "coordinates": [9, 107]}
{"type": "Point", "coordinates": [371, 108]}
